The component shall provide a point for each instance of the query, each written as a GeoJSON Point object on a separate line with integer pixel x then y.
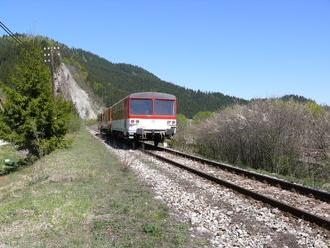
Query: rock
{"type": "Point", "coordinates": [202, 229]}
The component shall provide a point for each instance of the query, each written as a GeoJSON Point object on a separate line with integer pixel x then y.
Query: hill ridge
{"type": "Point", "coordinates": [109, 82]}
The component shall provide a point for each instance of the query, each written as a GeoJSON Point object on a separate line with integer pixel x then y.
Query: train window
{"type": "Point", "coordinates": [164, 107]}
{"type": "Point", "coordinates": [141, 106]}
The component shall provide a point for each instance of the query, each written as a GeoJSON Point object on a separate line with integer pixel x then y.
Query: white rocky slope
{"type": "Point", "coordinates": [67, 85]}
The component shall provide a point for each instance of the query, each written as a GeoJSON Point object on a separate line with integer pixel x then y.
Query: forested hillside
{"type": "Point", "coordinates": [111, 82]}
{"type": "Point", "coordinates": [10, 53]}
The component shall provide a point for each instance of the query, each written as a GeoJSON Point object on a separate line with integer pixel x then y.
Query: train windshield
{"type": "Point", "coordinates": [164, 107]}
{"type": "Point", "coordinates": [141, 106]}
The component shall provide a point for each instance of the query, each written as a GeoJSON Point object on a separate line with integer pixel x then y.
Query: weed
{"type": "Point", "coordinates": [151, 229]}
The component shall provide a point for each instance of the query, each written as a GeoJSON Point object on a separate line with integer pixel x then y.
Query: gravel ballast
{"type": "Point", "coordinates": [227, 218]}
{"type": "Point", "coordinates": [309, 204]}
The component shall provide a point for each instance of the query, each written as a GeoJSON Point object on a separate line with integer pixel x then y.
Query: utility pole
{"type": "Point", "coordinates": [49, 53]}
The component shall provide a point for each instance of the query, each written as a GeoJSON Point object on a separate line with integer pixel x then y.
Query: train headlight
{"type": "Point", "coordinates": [133, 122]}
{"type": "Point", "coordinates": [171, 123]}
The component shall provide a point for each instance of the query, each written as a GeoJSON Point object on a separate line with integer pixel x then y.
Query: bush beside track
{"type": "Point", "coordinates": [287, 138]}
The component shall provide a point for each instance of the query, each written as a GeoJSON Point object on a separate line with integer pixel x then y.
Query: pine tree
{"type": "Point", "coordinates": [32, 119]}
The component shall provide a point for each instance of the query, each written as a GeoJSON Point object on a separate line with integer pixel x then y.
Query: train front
{"type": "Point", "coordinates": [152, 116]}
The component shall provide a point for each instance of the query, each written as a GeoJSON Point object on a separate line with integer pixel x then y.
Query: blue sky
{"type": "Point", "coordinates": [245, 48]}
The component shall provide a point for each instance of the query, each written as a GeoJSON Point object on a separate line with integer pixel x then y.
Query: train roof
{"type": "Point", "coordinates": [158, 95]}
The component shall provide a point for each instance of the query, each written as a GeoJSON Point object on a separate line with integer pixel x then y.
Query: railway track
{"type": "Point", "coordinates": [318, 194]}
{"type": "Point", "coordinates": [303, 202]}
{"type": "Point", "coordinates": [226, 217]}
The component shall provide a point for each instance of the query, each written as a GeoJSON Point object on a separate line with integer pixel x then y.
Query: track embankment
{"type": "Point", "coordinates": [300, 205]}
{"type": "Point", "coordinates": [225, 217]}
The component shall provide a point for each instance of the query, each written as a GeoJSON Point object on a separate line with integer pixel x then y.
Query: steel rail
{"type": "Point", "coordinates": [300, 213]}
{"type": "Point", "coordinates": [308, 191]}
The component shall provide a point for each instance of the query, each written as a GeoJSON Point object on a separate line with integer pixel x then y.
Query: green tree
{"type": "Point", "coordinates": [201, 116]}
{"type": "Point", "coordinates": [182, 120]}
{"type": "Point", "coordinates": [31, 118]}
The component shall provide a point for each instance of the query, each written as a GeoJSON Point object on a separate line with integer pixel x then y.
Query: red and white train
{"type": "Point", "coordinates": [141, 116]}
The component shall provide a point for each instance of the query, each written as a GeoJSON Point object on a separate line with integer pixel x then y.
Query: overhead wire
{"type": "Point", "coordinates": [17, 39]}
{"type": "Point", "coordinates": [10, 33]}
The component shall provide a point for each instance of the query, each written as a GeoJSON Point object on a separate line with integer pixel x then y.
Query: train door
{"type": "Point", "coordinates": [125, 115]}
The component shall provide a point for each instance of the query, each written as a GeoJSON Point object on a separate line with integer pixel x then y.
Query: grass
{"type": "Point", "coordinates": [90, 122]}
{"type": "Point", "coordinates": [307, 181]}
{"type": "Point", "coordinates": [84, 197]}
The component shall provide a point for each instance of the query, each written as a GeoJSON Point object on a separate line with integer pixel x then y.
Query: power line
{"type": "Point", "coordinates": [50, 49]}
{"type": "Point", "coordinates": [10, 33]}
{"type": "Point", "coordinates": [17, 39]}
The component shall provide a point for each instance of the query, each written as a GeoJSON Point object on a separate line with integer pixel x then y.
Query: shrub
{"type": "Point", "coordinates": [181, 139]}
{"type": "Point", "coordinates": [273, 135]}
